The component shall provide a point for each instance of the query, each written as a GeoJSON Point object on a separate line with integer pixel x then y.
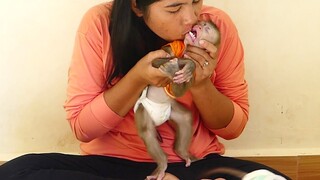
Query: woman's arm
{"type": "Point", "coordinates": [206, 96]}
{"type": "Point", "coordinates": [220, 92]}
{"type": "Point", "coordinates": [123, 95]}
{"type": "Point", "coordinates": [91, 109]}
{"type": "Point", "coordinates": [222, 100]}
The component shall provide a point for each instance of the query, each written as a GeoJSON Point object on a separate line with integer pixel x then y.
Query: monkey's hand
{"type": "Point", "coordinates": [186, 73]}
{"type": "Point", "coordinates": [170, 68]}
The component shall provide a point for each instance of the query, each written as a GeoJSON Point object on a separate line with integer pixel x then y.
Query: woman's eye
{"type": "Point", "coordinates": [174, 11]}
{"type": "Point", "coordinates": [196, 1]}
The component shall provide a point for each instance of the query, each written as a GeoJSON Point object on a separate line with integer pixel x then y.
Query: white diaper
{"type": "Point", "coordinates": [262, 174]}
{"type": "Point", "coordinates": [159, 112]}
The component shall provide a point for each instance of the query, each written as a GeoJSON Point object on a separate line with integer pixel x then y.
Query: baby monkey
{"type": "Point", "coordinates": [156, 105]}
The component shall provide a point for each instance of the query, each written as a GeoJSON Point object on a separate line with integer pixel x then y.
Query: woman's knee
{"type": "Point", "coordinates": [27, 161]}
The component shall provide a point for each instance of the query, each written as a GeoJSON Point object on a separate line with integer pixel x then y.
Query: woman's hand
{"type": "Point", "coordinates": [147, 73]}
{"type": "Point", "coordinates": [205, 58]}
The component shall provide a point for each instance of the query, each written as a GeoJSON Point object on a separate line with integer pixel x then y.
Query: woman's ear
{"type": "Point", "coordinates": [135, 9]}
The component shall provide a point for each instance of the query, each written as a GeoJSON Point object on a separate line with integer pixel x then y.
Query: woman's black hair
{"type": "Point", "coordinates": [131, 39]}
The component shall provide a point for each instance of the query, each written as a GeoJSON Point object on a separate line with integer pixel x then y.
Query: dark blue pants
{"type": "Point", "coordinates": [54, 166]}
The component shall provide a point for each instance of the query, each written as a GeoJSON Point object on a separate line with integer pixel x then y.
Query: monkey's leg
{"type": "Point", "coordinates": [148, 133]}
{"type": "Point", "coordinates": [185, 61]}
{"type": "Point", "coordinates": [184, 78]}
{"type": "Point", "coordinates": [183, 125]}
{"type": "Point", "coordinates": [179, 90]}
{"type": "Point", "coordinates": [156, 63]}
{"type": "Point", "coordinates": [167, 66]}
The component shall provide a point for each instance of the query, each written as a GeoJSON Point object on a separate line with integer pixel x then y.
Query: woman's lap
{"type": "Point", "coordinates": [212, 161]}
{"type": "Point", "coordinates": [62, 166]}
{"type": "Point", "coordinates": [55, 166]}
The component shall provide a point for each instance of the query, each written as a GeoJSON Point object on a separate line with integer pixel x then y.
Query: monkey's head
{"type": "Point", "coordinates": [202, 30]}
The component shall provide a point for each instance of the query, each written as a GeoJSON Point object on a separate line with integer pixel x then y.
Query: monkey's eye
{"type": "Point", "coordinates": [207, 29]}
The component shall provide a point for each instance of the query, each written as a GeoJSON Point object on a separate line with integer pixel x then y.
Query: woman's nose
{"type": "Point", "coordinates": [190, 17]}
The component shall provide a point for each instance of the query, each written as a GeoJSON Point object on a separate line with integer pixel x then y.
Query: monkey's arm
{"type": "Point", "coordinates": [186, 72]}
{"type": "Point", "coordinates": [156, 63]}
{"type": "Point", "coordinates": [181, 81]}
{"type": "Point", "coordinates": [171, 66]}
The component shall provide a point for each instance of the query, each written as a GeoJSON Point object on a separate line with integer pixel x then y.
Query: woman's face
{"type": "Point", "coordinates": [172, 19]}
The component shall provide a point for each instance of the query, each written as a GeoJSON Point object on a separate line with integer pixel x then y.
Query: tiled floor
{"type": "Point", "coordinates": [296, 167]}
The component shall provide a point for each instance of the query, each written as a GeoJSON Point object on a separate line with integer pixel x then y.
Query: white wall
{"type": "Point", "coordinates": [36, 41]}
{"type": "Point", "coordinates": [281, 40]}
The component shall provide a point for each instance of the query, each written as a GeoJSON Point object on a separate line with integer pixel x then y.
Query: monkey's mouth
{"type": "Point", "coordinates": [193, 34]}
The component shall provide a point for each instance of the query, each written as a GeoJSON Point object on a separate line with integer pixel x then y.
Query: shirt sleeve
{"type": "Point", "coordinates": [229, 73]}
{"type": "Point", "coordinates": [87, 112]}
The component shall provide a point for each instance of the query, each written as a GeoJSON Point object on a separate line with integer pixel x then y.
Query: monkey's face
{"type": "Point", "coordinates": [202, 30]}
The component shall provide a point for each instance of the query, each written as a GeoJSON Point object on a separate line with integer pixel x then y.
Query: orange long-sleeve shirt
{"type": "Point", "coordinates": [90, 116]}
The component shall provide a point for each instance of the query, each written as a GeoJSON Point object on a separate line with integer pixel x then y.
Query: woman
{"type": "Point", "coordinates": [111, 65]}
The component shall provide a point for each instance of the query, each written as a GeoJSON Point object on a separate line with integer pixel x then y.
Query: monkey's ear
{"type": "Point", "coordinates": [135, 9]}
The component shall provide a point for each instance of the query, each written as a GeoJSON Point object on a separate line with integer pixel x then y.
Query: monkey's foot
{"type": "Point", "coordinates": [188, 162]}
{"type": "Point", "coordinates": [185, 155]}
{"type": "Point", "coordinates": [189, 159]}
{"type": "Point", "coordinates": [158, 173]}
